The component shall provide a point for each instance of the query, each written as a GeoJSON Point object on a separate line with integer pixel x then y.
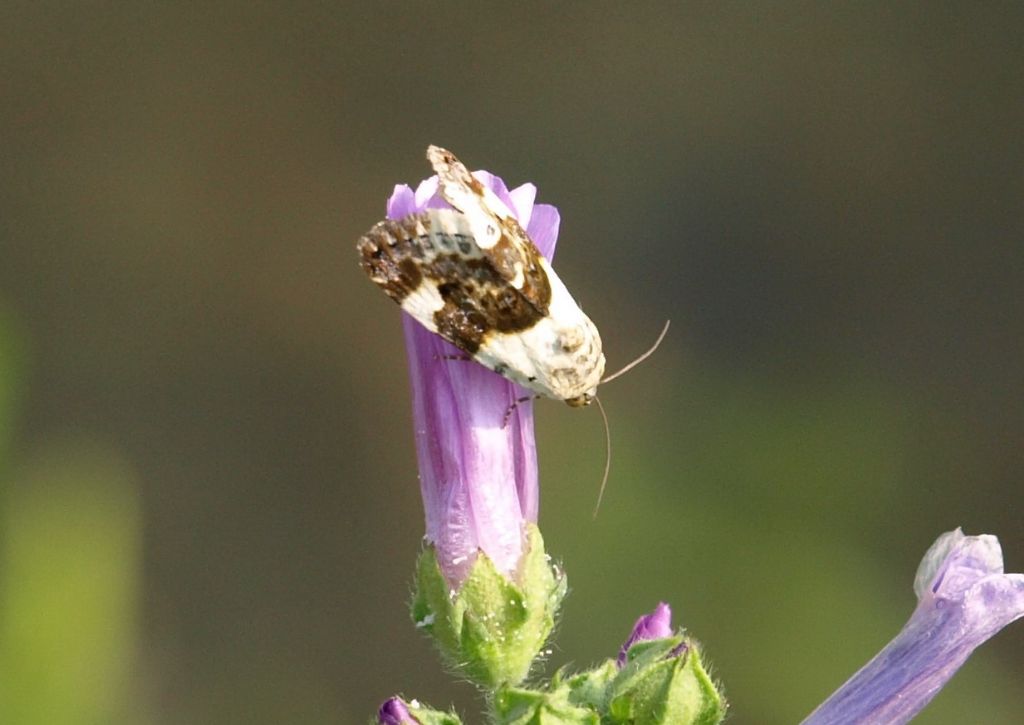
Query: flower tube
{"type": "Point", "coordinates": [964, 598]}
{"type": "Point", "coordinates": [478, 472]}
{"type": "Point", "coordinates": [485, 590]}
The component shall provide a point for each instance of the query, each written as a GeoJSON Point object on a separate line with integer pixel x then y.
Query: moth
{"type": "Point", "coordinates": [472, 275]}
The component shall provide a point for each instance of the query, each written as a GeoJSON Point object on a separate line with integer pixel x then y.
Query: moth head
{"type": "Point", "coordinates": [583, 400]}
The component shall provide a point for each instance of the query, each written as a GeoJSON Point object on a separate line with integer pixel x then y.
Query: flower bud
{"type": "Point", "coordinates": [396, 711]}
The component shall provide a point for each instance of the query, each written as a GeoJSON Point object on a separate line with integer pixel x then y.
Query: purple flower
{"type": "Point", "coordinates": [395, 712]}
{"type": "Point", "coordinates": [478, 477]}
{"type": "Point", "coordinates": [963, 599]}
{"type": "Point", "coordinates": [656, 625]}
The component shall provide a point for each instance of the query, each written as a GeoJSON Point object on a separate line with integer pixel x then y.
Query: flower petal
{"type": "Point", "coordinates": [656, 625]}
{"type": "Point", "coordinates": [428, 196]}
{"type": "Point", "coordinates": [543, 228]}
{"type": "Point", "coordinates": [522, 203]}
{"type": "Point", "coordinates": [402, 202]}
{"type": "Point", "coordinates": [395, 712]}
{"type": "Point", "coordinates": [954, 561]}
{"type": "Point", "coordinates": [495, 184]}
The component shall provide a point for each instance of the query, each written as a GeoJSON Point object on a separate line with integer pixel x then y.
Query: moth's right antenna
{"type": "Point", "coordinates": [643, 357]}
{"type": "Point", "coordinates": [607, 454]}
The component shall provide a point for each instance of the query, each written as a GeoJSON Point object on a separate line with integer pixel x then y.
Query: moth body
{"type": "Point", "coordinates": [472, 275]}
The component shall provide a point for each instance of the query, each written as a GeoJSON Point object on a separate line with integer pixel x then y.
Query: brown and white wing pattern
{"type": "Point", "coordinates": [473, 276]}
{"type": "Point", "coordinates": [495, 228]}
{"type": "Point", "coordinates": [430, 264]}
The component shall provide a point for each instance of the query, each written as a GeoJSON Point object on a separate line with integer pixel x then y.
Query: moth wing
{"type": "Point", "coordinates": [431, 265]}
{"type": "Point", "coordinates": [399, 255]}
{"type": "Point", "coordinates": [496, 231]}
{"type": "Point", "coordinates": [482, 207]}
{"type": "Point", "coordinates": [559, 356]}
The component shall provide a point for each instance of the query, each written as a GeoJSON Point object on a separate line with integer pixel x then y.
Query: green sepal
{"type": "Point", "coordinates": [515, 706]}
{"type": "Point", "coordinates": [658, 687]}
{"type": "Point", "coordinates": [492, 628]}
{"type": "Point", "coordinates": [589, 689]}
{"type": "Point", "coordinates": [427, 716]}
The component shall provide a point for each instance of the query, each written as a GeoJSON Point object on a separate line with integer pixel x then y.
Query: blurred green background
{"type": "Point", "coordinates": [209, 499]}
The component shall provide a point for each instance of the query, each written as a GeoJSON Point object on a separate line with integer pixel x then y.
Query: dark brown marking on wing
{"type": "Point", "coordinates": [514, 249]}
{"type": "Point", "coordinates": [388, 255]}
{"type": "Point", "coordinates": [461, 324]}
{"type": "Point", "coordinates": [474, 283]}
{"type": "Point", "coordinates": [478, 296]}
{"type": "Point", "coordinates": [477, 301]}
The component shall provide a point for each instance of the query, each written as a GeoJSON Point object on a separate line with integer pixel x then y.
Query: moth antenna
{"type": "Point", "coordinates": [643, 357]}
{"type": "Point", "coordinates": [607, 454]}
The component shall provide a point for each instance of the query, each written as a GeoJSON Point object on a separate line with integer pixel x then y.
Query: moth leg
{"type": "Point", "coordinates": [515, 404]}
{"type": "Point", "coordinates": [463, 357]}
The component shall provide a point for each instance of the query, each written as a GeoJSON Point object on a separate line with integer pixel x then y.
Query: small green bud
{"type": "Point", "coordinates": [664, 683]}
{"type": "Point", "coordinates": [396, 711]}
{"type": "Point", "coordinates": [492, 628]}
